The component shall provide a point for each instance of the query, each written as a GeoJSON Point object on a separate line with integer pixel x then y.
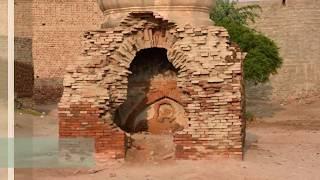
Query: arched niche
{"type": "Point", "coordinates": [153, 97]}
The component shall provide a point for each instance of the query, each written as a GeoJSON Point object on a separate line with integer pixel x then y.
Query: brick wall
{"type": "Point", "coordinates": [85, 122]}
{"type": "Point", "coordinates": [295, 28]}
{"type": "Point", "coordinates": [23, 66]}
{"type": "Point", "coordinates": [23, 18]}
{"type": "Point", "coordinates": [57, 26]}
{"type": "Point", "coordinates": [24, 75]}
{"type": "Point", "coordinates": [23, 79]}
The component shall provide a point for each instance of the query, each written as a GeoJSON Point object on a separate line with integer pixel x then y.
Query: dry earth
{"type": "Point", "coordinates": [284, 146]}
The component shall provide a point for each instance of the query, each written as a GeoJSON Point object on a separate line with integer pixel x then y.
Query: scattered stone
{"type": "Point", "coordinates": [152, 153]}
{"type": "Point", "coordinates": [168, 156]}
{"type": "Point", "coordinates": [94, 171]}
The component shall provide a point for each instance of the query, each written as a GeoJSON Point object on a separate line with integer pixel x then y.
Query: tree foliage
{"type": "Point", "coordinates": [263, 57]}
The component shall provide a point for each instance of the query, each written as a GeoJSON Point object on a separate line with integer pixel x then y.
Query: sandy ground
{"type": "Point", "coordinates": [284, 146]}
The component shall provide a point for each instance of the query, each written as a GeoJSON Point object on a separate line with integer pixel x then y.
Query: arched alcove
{"type": "Point", "coordinates": [154, 78]}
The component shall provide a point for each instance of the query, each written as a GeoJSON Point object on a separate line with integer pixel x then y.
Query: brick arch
{"type": "Point", "coordinates": [177, 58]}
{"type": "Point", "coordinates": [125, 53]}
{"type": "Point", "coordinates": [153, 32]}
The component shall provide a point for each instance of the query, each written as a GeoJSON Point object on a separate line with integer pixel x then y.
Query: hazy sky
{"type": "Point", "coordinates": [3, 17]}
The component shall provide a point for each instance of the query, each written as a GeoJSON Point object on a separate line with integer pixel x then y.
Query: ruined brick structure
{"type": "Point", "coordinates": [150, 59]}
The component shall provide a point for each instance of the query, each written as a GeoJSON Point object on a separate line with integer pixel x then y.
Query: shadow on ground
{"type": "Point", "coordinates": [259, 100]}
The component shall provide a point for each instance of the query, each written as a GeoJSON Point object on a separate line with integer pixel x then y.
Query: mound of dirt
{"type": "Point", "coordinates": [150, 148]}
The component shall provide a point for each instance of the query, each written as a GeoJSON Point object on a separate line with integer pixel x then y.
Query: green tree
{"type": "Point", "coordinates": [263, 57]}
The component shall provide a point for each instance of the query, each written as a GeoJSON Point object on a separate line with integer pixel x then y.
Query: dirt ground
{"type": "Point", "coordinates": [284, 146]}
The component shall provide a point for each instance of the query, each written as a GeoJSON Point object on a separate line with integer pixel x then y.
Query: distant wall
{"type": "Point", "coordinates": [57, 28]}
{"type": "Point", "coordinates": [24, 79]}
{"type": "Point", "coordinates": [47, 39]}
{"type": "Point", "coordinates": [296, 29]}
{"type": "Point", "coordinates": [23, 18]}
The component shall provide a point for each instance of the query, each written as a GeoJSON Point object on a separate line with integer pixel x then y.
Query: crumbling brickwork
{"type": "Point", "coordinates": [209, 78]}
